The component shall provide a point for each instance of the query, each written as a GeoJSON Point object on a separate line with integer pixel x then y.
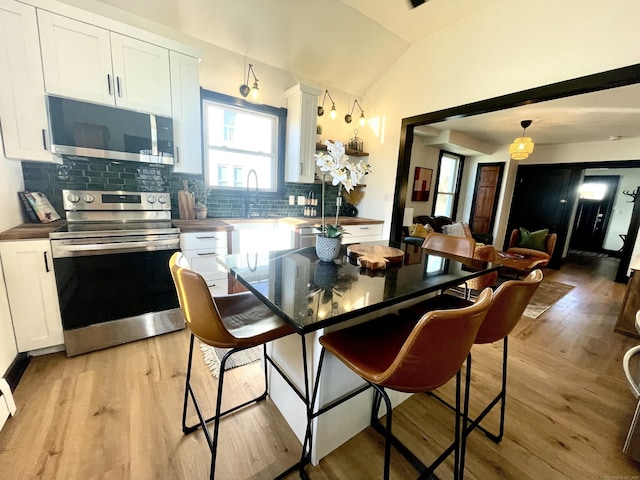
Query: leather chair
{"type": "Point", "coordinates": [460, 246]}
{"type": "Point", "coordinates": [408, 355]}
{"type": "Point", "coordinates": [550, 245]}
{"type": "Point", "coordinates": [509, 302]}
{"type": "Point", "coordinates": [237, 322]}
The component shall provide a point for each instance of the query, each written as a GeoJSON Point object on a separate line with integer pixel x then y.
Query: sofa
{"type": "Point", "coordinates": [436, 223]}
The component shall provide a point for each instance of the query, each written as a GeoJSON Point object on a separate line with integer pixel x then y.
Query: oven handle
{"type": "Point", "coordinates": [132, 246]}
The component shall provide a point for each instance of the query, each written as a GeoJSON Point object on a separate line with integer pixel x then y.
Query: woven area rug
{"type": "Point", "coordinates": [213, 358]}
{"type": "Point", "coordinates": [547, 294]}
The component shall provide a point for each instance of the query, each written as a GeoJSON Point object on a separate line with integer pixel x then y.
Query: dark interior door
{"type": "Point", "coordinates": [593, 215]}
{"type": "Point", "coordinates": [542, 198]}
{"type": "Point", "coordinates": [485, 197]}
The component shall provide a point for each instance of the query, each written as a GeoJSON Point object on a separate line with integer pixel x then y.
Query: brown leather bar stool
{"type": "Point", "coordinates": [509, 302]}
{"type": "Point", "coordinates": [460, 246]}
{"type": "Point", "coordinates": [237, 322]}
{"type": "Point", "coordinates": [406, 355]}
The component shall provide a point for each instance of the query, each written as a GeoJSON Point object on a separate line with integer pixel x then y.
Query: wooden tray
{"type": "Point", "coordinates": [374, 257]}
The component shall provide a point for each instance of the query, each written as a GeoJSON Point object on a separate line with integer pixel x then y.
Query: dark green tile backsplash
{"type": "Point", "coordinates": [96, 174]}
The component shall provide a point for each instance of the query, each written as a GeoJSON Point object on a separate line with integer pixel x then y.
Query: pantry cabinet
{"type": "Point", "coordinates": [302, 119]}
{"type": "Point", "coordinates": [23, 114]}
{"type": "Point", "coordinates": [185, 101]}
{"type": "Point", "coordinates": [86, 62]}
{"type": "Point", "coordinates": [32, 293]}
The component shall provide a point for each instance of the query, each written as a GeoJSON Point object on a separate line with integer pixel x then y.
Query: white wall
{"type": "Point", "coordinates": [484, 56]}
{"type": "Point", "coordinates": [11, 183]}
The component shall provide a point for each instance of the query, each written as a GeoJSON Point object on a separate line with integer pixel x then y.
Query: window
{"type": "Point", "coordinates": [239, 137]}
{"type": "Point", "coordinates": [448, 186]}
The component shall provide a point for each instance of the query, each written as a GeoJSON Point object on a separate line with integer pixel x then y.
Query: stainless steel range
{"type": "Point", "coordinates": [111, 266]}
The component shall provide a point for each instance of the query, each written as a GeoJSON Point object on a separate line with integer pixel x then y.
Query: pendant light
{"type": "Point", "coordinates": [348, 117]}
{"type": "Point", "coordinates": [252, 94]}
{"type": "Point", "coordinates": [522, 146]}
{"type": "Point", "coordinates": [333, 113]}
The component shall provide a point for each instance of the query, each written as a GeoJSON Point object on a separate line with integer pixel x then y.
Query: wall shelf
{"type": "Point", "coordinates": [320, 147]}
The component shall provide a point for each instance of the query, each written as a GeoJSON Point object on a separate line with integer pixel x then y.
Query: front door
{"type": "Point", "coordinates": [595, 202]}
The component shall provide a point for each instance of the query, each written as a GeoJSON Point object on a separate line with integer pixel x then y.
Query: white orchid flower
{"type": "Point", "coordinates": [326, 162]}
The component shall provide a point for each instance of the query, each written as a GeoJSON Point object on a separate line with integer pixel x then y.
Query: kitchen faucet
{"type": "Point", "coordinates": [247, 209]}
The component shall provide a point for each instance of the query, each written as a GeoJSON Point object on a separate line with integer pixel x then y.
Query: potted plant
{"type": "Point", "coordinates": [201, 192]}
{"type": "Point", "coordinates": [345, 174]}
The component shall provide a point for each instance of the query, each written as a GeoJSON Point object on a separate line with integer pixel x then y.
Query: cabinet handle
{"type": "Point", "coordinates": [109, 83]}
{"type": "Point", "coordinates": [301, 168]}
{"type": "Point", "coordinates": [118, 86]}
{"type": "Point", "coordinates": [44, 139]}
{"type": "Point", "coordinates": [209, 254]}
{"type": "Point", "coordinates": [206, 237]}
{"type": "Point", "coordinates": [177, 155]}
{"type": "Point", "coordinates": [46, 263]}
{"type": "Point", "coordinates": [364, 228]}
{"type": "Point", "coordinates": [210, 285]}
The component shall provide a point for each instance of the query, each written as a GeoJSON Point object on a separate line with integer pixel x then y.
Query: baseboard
{"type": "Point", "coordinates": [16, 370]}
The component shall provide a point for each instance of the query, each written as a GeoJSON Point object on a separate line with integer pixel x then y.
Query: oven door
{"type": "Point", "coordinates": [114, 297]}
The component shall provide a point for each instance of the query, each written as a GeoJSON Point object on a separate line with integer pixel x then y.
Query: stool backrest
{"type": "Point", "coordinates": [198, 307]}
{"type": "Point", "coordinates": [460, 246]}
{"type": "Point", "coordinates": [436, 348]}
{"type": "Point", "coordinates": [509, 302]}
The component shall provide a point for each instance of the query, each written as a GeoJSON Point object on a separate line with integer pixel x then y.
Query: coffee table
{"type": "Point", "coordinates": [517, 264]}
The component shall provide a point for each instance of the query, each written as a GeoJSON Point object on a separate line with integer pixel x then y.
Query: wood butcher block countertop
{"type": "Point", "coordinates": [33, 231]}
{"type": "Point", "coordinates": [207, 225]}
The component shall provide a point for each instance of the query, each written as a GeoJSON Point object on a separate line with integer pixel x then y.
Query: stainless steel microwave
{"type": "Point", "coordinates": [100, 131]}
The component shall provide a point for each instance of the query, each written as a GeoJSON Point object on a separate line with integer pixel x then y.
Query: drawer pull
{"type": "Point", "coordinates": [206, 254]}
{"type": "Point", "coordinates": [207, 237]}
{"type": "Point", "coordinates": [364, 228]}
{"type": "Point", "coordinates": [211, 285]}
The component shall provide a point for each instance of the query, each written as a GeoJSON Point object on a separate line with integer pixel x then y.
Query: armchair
{"type": "Point", "coordinates": [538, 245]}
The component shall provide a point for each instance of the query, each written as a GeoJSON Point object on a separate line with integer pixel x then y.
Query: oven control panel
{"type": "Point", "coordinates": [78, 200]}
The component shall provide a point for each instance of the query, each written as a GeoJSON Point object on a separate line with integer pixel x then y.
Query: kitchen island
{"type": "Point", "coordinates": [318, 297]}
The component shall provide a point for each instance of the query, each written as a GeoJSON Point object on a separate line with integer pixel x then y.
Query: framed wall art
{"type": "Point", "coordinates": [421, 184]}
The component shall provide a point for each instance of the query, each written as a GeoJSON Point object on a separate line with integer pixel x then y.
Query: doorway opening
{"type": "Point", "coordinates": [596, 198]}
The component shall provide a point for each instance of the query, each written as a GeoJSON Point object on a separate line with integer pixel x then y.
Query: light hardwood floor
{"type": "Point", "coordinates": [115, 414]}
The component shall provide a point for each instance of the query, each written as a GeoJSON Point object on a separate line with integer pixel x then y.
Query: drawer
{"type": "Point", "coordinates": [362, 233]}
{"type": "Point", "coordinates": [218, 284]}
{"type": "Point", "coordinates": [205, 261]}
{"type": "Point", "coordinates": [203, 240]}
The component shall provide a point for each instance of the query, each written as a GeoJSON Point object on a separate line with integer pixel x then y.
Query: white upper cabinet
{"type": "Point", "coordinates": [185, 100]}
{"type": "Point", "coordinates": [23, 114]}
{"type": "Point", "coordinates": [89, 63]}
{"type": "Point", "coordinates": [302, 112]}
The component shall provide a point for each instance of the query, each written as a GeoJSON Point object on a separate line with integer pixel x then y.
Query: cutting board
{"type": "Point", "coordinates": [375, 257]}
{"type": "Point", "coordinates": [186, 202]}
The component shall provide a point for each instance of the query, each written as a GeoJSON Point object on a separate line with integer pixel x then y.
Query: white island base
{"type": "Point", "coordinates": [336, 426]}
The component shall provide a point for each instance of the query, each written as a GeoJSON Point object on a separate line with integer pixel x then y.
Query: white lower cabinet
{"type": "Point", "coordinates": [201, 250]}
{"type": "Point", "coordinates": [32, 293]}
{"type": "Point", "coordinates": [362, 233]}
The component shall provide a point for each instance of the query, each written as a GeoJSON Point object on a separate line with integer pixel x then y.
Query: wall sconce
{"type": "Point", "coordinates": [522, 146]}
{"type": "Point", "coordinates": [252, 94]}
{"type": "Point", "coordinates": [348, 117]}
{"type": "Point", "coordinates": [333, 114]}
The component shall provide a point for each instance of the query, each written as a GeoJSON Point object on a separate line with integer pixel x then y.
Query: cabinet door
{"type": "Point", "coordinates": [302, 119]}
{"type": "Point", "coordinates": [76, 58]}
{"type": "Point", "coordinates": [33, 298]}
{"type": "Point", "coordinates": [141, 70]}
{"type": "Point", "coordinates": [185, 102]}
{"type": "Point", "coordinates": [23, 112]}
